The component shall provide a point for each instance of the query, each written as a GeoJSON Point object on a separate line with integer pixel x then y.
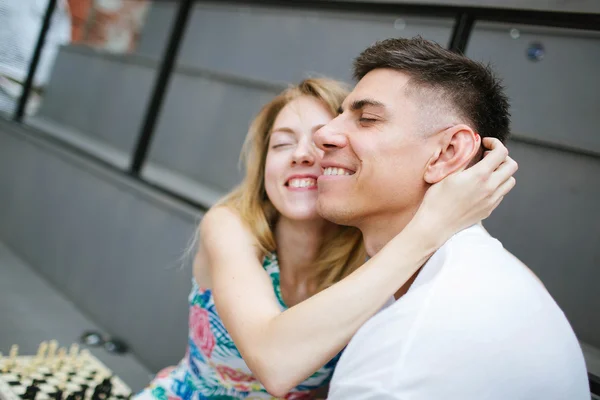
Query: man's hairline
{"type": "Point", "coordinates": [414, 89]}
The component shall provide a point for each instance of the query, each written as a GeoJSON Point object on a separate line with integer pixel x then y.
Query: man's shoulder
{"type": "Point", "coordinates": [479, 272]}
{"type": "Point", "coordinates": [473, 241]}
{"type": "Point", "coordinates": [478, 315]}
{"type": "Point", "coordinates": [475, 250]}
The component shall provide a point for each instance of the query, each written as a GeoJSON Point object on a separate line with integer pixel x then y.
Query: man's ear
{"type": "Point", "coordinates": [458, 145]}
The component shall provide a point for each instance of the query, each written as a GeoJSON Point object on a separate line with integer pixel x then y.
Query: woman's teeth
{"type": "Point", "coordinates": [302, 183]}
{"type": "Point", "coordinates": [336, 171]}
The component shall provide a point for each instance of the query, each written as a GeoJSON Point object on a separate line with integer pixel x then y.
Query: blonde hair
{"type": "Point", "coordinates": [342, 250]}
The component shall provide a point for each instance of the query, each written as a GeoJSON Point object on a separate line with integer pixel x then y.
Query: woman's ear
{"type": "Point", "coordinates": [458, 146]}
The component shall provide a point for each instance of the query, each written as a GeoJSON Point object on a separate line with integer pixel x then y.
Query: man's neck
{"type": "Point", "coordinates": [378, 231]}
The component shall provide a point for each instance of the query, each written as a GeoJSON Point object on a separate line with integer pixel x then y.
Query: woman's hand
{"type": "Point", "coordinates": [469, 196]}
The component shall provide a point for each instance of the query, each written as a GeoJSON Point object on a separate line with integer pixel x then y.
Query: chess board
{"type": "Point", "coordinates": [57, 375]}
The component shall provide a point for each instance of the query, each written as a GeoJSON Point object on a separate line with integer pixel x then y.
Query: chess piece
{"type": "Point", "coordinates": [62, 353]}
{"type": "Point", "coordinates": [97, 393]}
{"type": "Point", "coordinates": [56, 395]}
{"type": "Point", "coordinates": [82, 359]}
{"type": "Point", "coordinates": [73, 352]}
{"type": "Point", "coordinates": [61, 357]}
{"type": "Point", "coordinates": [54, 365]}
{"type": "Point", "coordinates": [31, 367]}
{"type": "Point", "coordinates": [103, 390]}
{"type": "Point", "coordinates": [106, 383]}
{"type": "Point", "coordinates": [71, 396]}
{"type": "Point", "coordinates": [14, 352]}
{"type": "Point", "coordinates": [52, 347]}
{"type": "Point", "coordinates": [30, 393]}
{"type": "Point", "coordinates": [80, 395]}
{"type": "Point", "coordinates": [41, 353]}
{"type": "Point", "coordinates": [40, 357]}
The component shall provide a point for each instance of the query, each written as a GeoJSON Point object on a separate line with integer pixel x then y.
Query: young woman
{"type": "Point", "coordinates": [291, 288]}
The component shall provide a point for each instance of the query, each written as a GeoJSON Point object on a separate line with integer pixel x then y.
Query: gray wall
{"type": "Point", "coordinates": [110, 245]}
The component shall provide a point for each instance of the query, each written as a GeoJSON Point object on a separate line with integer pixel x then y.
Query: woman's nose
{"type": "Point", "coordinates": [305, 153]}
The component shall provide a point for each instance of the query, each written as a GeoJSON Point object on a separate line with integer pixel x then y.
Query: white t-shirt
{"type": "Point", "coordinates": [475, 324]}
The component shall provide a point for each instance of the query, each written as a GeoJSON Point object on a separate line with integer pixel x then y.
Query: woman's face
{"type": "Point", "coordinates": [292, 164]}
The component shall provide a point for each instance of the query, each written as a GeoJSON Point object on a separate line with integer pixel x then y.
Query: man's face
{"type": "Point", "coordinates": [375, 152]}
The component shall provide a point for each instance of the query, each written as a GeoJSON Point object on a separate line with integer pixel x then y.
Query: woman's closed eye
{"type": "Point", "coordinates": [280, 145]}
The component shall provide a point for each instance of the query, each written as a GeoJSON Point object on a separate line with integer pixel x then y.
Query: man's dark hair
{"type": "Point", "coordinates": [471, 88]}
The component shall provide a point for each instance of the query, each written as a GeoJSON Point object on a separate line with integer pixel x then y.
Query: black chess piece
{"type": "Point", "coordinates": [106, 382]}
{"type": "Point", "coordinates": [79, 395]}
{"type": "Point", "coordinates": [101, 391]}
{"type": "Point", "coordinates": [95, 393]}
{"type": "Point", "coordinates": [106, 387]}
{"type": "Point", "coordinates": [84, 387]}
{"type": "Point", "coordinates": [30, 393]}
{"type": "Point", "coordinates": [58, 395]}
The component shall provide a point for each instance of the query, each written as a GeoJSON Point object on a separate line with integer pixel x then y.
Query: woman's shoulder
{"type": "Point", "coordinates": [222, 222]}
{"type": "Point", "coordinates": [218, 215]}
{"type": "Point", "coordinates": [223, 229]}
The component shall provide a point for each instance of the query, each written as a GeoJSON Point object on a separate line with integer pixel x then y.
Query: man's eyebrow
{"type": "Point", "coordinates": [360, 104]}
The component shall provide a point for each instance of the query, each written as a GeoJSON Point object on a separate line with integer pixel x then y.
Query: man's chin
{"type": "Point", "coordinates": [338, 214]}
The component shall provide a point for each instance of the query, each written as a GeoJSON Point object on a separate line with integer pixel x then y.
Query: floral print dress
{"type": "Point", "coordinates": [213, 368]}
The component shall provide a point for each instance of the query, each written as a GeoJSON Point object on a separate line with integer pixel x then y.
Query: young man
{"type": "Point", "coordinates": [474, 322]}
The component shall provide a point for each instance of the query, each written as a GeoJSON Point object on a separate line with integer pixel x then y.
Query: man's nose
{"type": "Point", "coordinates": [330, 136]}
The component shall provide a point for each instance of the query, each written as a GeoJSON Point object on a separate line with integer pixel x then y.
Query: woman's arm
{"type": "Point", "coordinates": [284, 348]}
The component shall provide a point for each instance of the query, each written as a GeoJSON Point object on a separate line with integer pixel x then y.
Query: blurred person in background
{"type": "Point", "coordinates": [278, 291]}
{"type": "Point", "coordinates": [106, 25]}
{"type": "Point", "coordinates": [20, 24]}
